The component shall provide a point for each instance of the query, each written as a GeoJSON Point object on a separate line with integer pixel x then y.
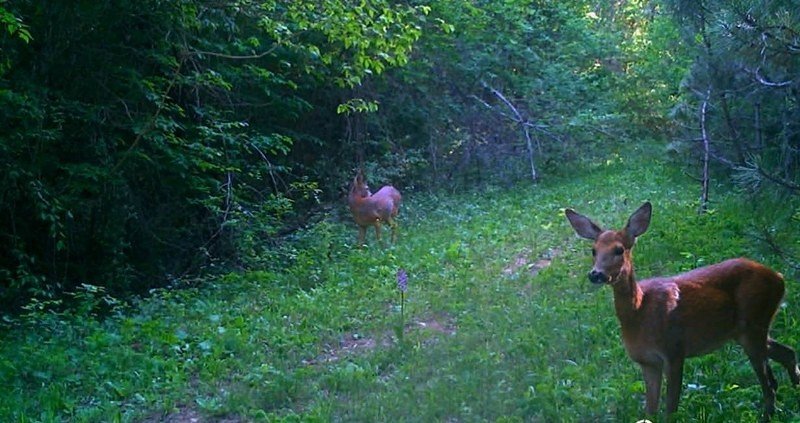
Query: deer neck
{"type": "Point", "coordinates": [627, 293]}
{"type": "Point", "coordinates": [354, 198]}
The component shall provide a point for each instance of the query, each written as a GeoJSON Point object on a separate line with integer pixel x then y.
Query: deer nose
{"type": "Point", "coordinates": [596, 276]}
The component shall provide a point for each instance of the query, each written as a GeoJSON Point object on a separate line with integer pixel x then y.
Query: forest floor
{"type": "Point", "coordinates": [498, 322]}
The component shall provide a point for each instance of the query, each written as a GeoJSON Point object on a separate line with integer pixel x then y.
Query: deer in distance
{"type": "Point", "coordinates": [370, 209]}
{"type": "Point", "coordinates": [665, 320]}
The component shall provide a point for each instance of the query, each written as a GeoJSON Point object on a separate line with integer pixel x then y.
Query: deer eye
{"type": "Point", "coordinates": [618, 251]}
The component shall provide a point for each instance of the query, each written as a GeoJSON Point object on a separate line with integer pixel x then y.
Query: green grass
{"type": "Point", "coordinates": [500, 322]}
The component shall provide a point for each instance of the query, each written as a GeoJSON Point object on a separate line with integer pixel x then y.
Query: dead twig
{"type": "Point", "coordinates": [519, 120]}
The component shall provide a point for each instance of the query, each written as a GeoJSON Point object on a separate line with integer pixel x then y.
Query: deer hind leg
{"type": "Point", "coordinates": [393, 225]}
{"type": "Point", "coordinates": [767, 380]}
{"type": "Point", "coordinates": [786, 357]}
{"type": "Point", "coordinates": [755, 346]}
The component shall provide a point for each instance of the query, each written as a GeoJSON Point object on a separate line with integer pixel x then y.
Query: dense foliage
{"type": "Point", "coordinates": [146, 142]}
{"type": "Point", "coordinates": [741, 95]}
{"type": "Point", "coordinates": [159, 144]}
{"type": "Point", "coordinates": [499, 322]}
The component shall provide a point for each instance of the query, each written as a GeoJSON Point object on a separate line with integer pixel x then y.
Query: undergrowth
{"type": "Point", "coordinates": [498, 322]}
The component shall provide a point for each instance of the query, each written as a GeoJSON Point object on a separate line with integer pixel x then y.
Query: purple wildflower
{"type": "Point", "coordinates": [402, 280]}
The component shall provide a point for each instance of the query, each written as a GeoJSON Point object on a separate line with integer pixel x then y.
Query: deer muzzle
{"type": "Point", "coordinates": [598, 277]}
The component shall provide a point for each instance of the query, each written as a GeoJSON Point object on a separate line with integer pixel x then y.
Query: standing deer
{"type": "Point", "coordinates": [371, 209]}
{"type": "Point", "coordinates": [667, 319]}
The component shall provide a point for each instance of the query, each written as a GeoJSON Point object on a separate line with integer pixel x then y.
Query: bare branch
{"type": "Point", "coordinates": [159, 108]}
{"type": "Point", "coordinates": [703, 131]}
{"type": "Point", "coordinates": [246, 57]}
{"type": "Point", "coordinates": [757, 75]}
{"type": "Point", "coordinates": [724, 160]}
{"type": "Point", "coordinates": [769, 239]}
{"type": "Point", "coordinates": [230, 56]}
{"type": "Point", "coordinates": [490, 107]}
{"type": "Point", "coordinates": [780, 181]}
{"type": "Point", "coordinates": [269, 166]}
{"type": "Point", "coordinates": [517, 118]}
{"type": "Point", "coordinates": [510, 105]}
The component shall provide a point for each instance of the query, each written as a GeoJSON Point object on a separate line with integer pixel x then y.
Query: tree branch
{"type": "Point", "coordinates": [152, 122]}
{"type": "Point", "coordinates": [757, 75]}
{"type": "Point", "coordinates": [269, 166]}
{"type": "Point", "coordinates": [703, 131]}
{"type": "Point", "coordinates": [774, 245]}
{"type": "Point", "coordinates": [230, 56]}
{"type": "Point", "coordinates": [520, 121]}
{"type": "Point", "coordinates": [780, 181]}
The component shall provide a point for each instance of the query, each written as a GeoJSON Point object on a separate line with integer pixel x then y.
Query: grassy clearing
{"type": "Point", "coordinates": [499, 321]}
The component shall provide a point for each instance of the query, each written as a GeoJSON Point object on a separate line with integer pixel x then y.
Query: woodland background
{"type": "Point", "coordinates": [175, 243]}
{"type": "Point", "coordinates": [146, 143]}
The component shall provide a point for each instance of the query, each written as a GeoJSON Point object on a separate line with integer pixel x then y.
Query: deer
{"type": "Point", "coordinates": [370, 209]}
{"type": "Point", "coordinates": [665, 320]}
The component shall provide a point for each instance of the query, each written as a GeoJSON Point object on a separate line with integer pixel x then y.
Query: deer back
{"type": "Point", "coordinates": [700, 310]}
{"type": "Point", "coordinates": [368, 208]}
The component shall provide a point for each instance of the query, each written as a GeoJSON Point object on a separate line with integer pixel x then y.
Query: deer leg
{"type": "Point", "coordinates": [773, 383]}
{"type": "Point", "coordinates": [674, 383]}
{"type": "Point", "coordinates": [786, 357]}
{"type": "Point", "coordinates": [652, 386]}
{"type": "Point", "coordinates": [756, 349]}
{"type": "Point", "coordinates": [393, 225]}
{"type": "Point", "coordinates": [378, 230]}
{"type": "Point", "coordinates": [362, 235]}
{"type": "Point", "coordinates": [763, 373]}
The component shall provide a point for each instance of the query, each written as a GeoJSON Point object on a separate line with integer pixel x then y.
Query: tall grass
{"type": "Point", "coordinates": [499, 321]}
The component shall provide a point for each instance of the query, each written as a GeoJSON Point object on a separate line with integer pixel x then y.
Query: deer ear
{"type": "Point", "coordinates": [583, 225]}
{"type": "Point", "coordinates": [639, 220]}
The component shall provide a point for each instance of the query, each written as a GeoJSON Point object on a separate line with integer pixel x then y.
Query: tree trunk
{"type": "Point", "coordinates": [703, 112]}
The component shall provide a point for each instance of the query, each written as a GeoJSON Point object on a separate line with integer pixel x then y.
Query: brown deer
{"type": "Point", "coordinates": [372, 209]}
{"type": "Point", "coordinates": [664, 320]}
